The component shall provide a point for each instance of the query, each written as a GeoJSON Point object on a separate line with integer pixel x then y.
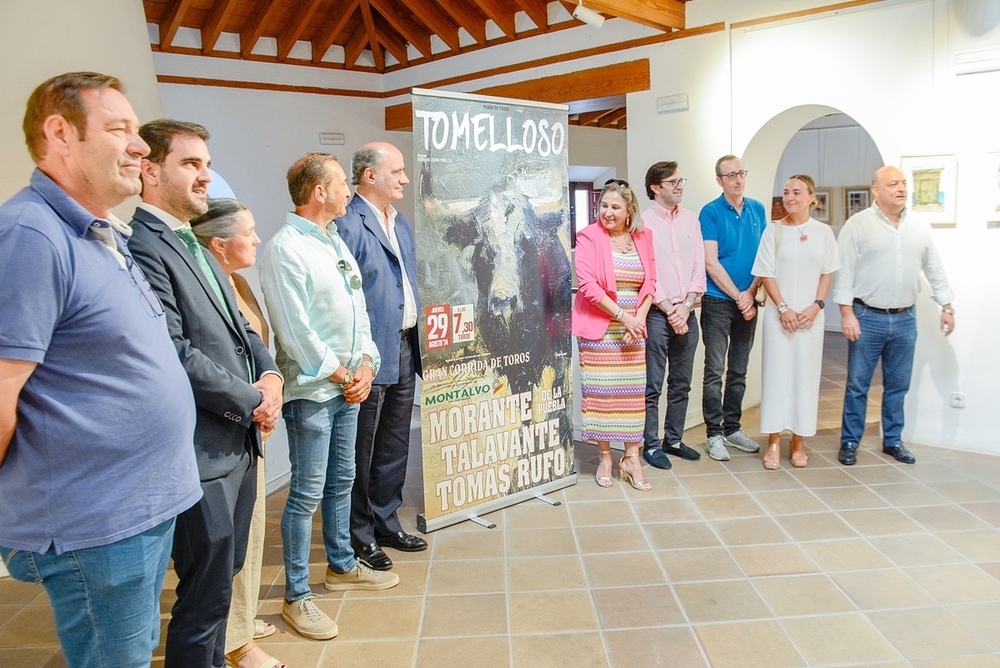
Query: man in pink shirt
{"type": "Point", "coordinates": [672, 329]}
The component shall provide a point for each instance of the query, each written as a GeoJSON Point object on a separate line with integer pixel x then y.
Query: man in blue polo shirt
{"type": "Point", "coordinates": [731, 227]}
{"type": "Point", "coordinates": [96, 412]}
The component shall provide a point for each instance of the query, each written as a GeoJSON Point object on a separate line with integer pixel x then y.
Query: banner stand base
{"type": "Point", "coordinates": [426, 526]}
{"type": "Point", "coordinates": [481, 522]}
{"type": "Point", "coordinates": [548, 500]}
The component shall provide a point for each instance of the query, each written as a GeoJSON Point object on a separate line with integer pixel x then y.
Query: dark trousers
{"type": "Point", "coordinates": [383, 446]}
{"type": "Point", "coordinates": [728, 338]}
{"type": "Point", "coordinates": [210, 545]}
{"type": "Point", "coordinates": [663, 346]}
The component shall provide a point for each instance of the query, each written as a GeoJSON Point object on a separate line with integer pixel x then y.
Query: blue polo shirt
{"type": "Point", "coordinates": [103, 448]}
{"type": "Point", "coordinates": [738, 235]}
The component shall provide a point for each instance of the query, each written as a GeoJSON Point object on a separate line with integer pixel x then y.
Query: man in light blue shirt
{"type": "Point", "coordinates": [312, 289]}
{"type": "Point", "coordinates": [731, 226]}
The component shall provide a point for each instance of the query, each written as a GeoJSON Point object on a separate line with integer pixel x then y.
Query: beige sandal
{"type": "Point", "coordinates": [625, 476]}
{"type": "Point", "coordinates": [797, 452]}
{"type": "Point", "coordinates": [233, 658]}
{"type": "Point", "coordinates": [604, 480]}
{"type": "Point", "coordinates": [772, 456]}
{"type": "Point", "coordinates": [262, 629]}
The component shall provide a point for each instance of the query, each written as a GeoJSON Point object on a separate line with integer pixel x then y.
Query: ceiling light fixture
{"type": "Point", "coordinates": [588, 16]}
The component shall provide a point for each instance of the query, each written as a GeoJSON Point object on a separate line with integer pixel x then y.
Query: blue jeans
{"type": "Point", "coordinates": [321, 451]}
{"type": "Point", "coordinates": [728, 338]}
{"type": "Point", "coordinates": [106, 599]}
{"type": "Point", "coordinates": [892, 337]}
{"type": "Point", "coordinates": [663, 344]}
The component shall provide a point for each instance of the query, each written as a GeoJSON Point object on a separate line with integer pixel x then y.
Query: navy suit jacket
{"type": "Point", "coordinates": [213, 349]}
{"type": "Point", "coordinates": [382, 281]}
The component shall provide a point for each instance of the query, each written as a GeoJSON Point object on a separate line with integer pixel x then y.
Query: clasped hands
{"type": "Point", "coordinates": [677, 317]}
{"type": "Point", "coordinates": [269, 409]}
{"type": "Point", "coordinates": [635, 329]}
{"type": "Point", "coordinates": [360, 386]}
{"type": "Point", "coordinates": [793, 321]}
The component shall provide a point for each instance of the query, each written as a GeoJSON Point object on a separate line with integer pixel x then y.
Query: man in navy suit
{"type": "Point", "coordinates": [381, 240]}
{"type": "Point", "coordinates": [237, 386]}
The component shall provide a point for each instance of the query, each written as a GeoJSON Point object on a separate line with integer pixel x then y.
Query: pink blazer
{"type": "Point", "coordinates": [595, 274]}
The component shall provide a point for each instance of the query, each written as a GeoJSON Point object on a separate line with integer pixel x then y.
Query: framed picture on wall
{"type": "Point", "coordinates": [991, 185]}
{"type": "Point", "coordinates": [932, 181]}
{"type": "Point", "coordinates": [856, 200]}
{"type": "Point", "coordinates": [778, 208]}
{"type": "Point", "coordinates": [821, 211]}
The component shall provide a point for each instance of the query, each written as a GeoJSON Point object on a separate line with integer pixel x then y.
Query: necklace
{"type": "Point", "coordinates": [629, 246]}
{"type": "Point", "coordinates": [802, 235]}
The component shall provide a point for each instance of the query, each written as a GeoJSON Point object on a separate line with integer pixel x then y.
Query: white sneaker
{"type": "Point", "coordinates": [716, 450]}
{"type": "Point", "coordinates": [308, 620]}
{"type": "Point", "coordinates": [360, 577]}
{"type": "Point", "coordinates": [739, 440]}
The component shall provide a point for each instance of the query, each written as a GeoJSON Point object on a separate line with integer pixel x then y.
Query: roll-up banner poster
{"type": "Point", "coordinates": [492, 230]}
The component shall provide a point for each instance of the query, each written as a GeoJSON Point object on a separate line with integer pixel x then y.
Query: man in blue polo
{"type": "Point", "coordinates": [731, 227]}
{"type": "Point", "coordinates": [96, 413]}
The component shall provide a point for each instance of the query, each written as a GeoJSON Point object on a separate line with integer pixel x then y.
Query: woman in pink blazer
{"type": "Point", "coordinates": [616, 273]}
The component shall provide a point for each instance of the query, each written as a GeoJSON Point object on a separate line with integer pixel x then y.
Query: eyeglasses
{"type": "Point", "coordinates": [675, 183]}
{"type": "Point", "coordinates": [346, 268]}
{"type": "Point", "coordinates": [617, 182]}
{"type": "Point", "coordinates": [732, 176]}
{"type": "Point", "coordinates": [151, 303]}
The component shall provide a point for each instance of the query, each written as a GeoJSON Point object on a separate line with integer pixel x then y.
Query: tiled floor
{"type": "Point", "coordinates": [722, 564]}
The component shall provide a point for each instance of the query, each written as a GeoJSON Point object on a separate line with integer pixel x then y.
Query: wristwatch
{"type": "Point", "coordinates": [348, 379]}
{"type": "Point", "coordinates": [688, 305]}
{"type": "Point", "coordinates": [949, 310]}
{"type": "Point", "coordinates": [782, 307]}
{"type": "Point", "coordinates": [370, 365]}
{"type": "Point", "coordinates": [822, 304]}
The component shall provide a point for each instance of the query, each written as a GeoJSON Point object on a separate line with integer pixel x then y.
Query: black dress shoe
{"type": "Point", "coordinates": [656, 458]}
{"type": "Point", "coordinates": [682, 451]}
{"type": "Point", "coordinates": [847, 455]}
{"type": "Point", "coordinates": [373, 557]}
{"type": "Point", "coordinates": [403, 542]}
{"type": "Point", "coordinates": [899, 453]}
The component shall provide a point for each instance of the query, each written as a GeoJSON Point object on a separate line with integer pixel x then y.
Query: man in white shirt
{"type": "Point", "coordinates": [883, 251]}
{"type": "Point", "coordinates": [672, 329]}
{"type": "Point", "coordinates": [382, 241]}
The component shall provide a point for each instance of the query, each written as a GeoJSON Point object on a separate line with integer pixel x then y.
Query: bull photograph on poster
{"type": "Point", "coordinates": [493, 241]}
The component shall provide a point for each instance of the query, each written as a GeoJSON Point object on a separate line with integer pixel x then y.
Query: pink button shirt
{"type": "Point", "coordinates": [679, 252]}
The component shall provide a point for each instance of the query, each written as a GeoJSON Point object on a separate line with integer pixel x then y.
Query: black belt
{"type": "Point", "coordinates": [403, 333]}
{"type": "Point", "coordinates": [890, 311]}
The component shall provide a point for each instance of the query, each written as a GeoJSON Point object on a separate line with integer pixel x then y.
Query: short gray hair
{"type": "Point", "coordinates": [363, 159]}
{"type": "Point", "coordinates": [220, 221]}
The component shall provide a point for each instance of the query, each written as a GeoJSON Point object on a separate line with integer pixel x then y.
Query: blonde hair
{"type": "Point", "coordinates": [810, 184]}
{"type": "Point", "coordinates": [634, 222]}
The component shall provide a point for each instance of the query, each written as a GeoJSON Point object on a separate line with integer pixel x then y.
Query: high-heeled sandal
{"type": "Point", "coordinates": [625, 476]}
{"type": "Point", "coordinates": [797, 452]}
{"type": "Point", "coordinates": [604, 480]}
{"type": "Point", "coordinates": [772, 456]}
{"type": "Point", "coordinates": [233, 658]}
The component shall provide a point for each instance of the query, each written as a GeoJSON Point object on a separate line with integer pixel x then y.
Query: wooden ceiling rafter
{"type": "Point", "coordinates": [254, 27]}
{"type": "Point", "coordinates": [338, 17]}
{"type": "Point", "coordinates": [403, 23]}
{"type": "Point", "coordinates": [171, 21]}
{"type": "Point", "coordinates": [393, 42]}
{"type": "Point", "coordinates": [612, 117]}
{"type": "Point", "coordinates": [291, 34]}
{"type": "Point", "coordinates": [438, 21]}
{"type": "Point", "coordinates": [372, 35]}
{"type": "Point", "coordinates": [537, 11]}
{"type": "Point", "coordinates": [469, 16]}
{"type": "Point", "coordinates": [501, 14]}
{"type": "Point", "coordinates": [211, 29]}
{"type": "Point", "coordinates": [355, 45]}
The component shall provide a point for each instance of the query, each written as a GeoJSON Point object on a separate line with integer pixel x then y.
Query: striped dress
{"type": "Point", "coordinates": [613, 374]}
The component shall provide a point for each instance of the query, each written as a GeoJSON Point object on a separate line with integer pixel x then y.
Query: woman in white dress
{"type": "Point", "coordinates": [796, 259]}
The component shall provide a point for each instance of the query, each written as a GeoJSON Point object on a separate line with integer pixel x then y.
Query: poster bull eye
{"type": "Point", "coordinates": [493, 249]}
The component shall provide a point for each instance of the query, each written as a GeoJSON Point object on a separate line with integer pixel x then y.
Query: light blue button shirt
{"type": "Point", "coordinates": [319, 319]}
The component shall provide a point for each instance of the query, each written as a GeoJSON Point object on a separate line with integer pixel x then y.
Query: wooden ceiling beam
{"type": "Point", "coordinates": [290, 35]}
{"type": "Point", "coordinates": [214, 23]}
{"type": "Point", "coordinates": [468, 17]}
{"type": "Point", "coordinates": [501, 13]}
{"type": "Point", "coordinates": [355, 45]}
{"type": "Point", "coordinates": [667, 15]}
{"type": "Point", "coordinates": [437, 20]}
{"type": "Point", "coordinates": [393, 42]}
{"type": "Point", "coordinates": [338, 17]}
{"type": "Point", "coordinates": [372, 35]}
{"type": "Point", "coordinates": [612, 117]}
{"type": "Point", "coordinates": [406, 26]}
{"type": "Point", "coordinates": [254, 27]}
{"type": "Point", "coordinates": [537, 11]}
{"type": "Point", "coordinates": [171, 21]}
{"type": "Point", "coordinates": [588, 117]}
